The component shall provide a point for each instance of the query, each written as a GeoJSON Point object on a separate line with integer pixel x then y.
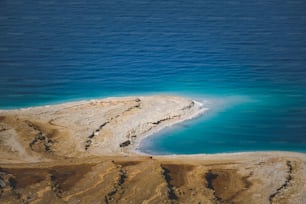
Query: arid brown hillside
{"type": "Point", "coordinates": [139, 179]}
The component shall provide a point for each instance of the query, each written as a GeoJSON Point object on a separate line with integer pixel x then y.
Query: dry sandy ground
{"type": "Point", "coordinates": [70, 153]}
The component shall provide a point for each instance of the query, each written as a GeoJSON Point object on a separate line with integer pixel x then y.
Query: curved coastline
{"type": "Point", "coordinates": [101, 126]}
{"type": "Point", "coordinates": [136, 145]}
{"type": "Point", "coordinates": [191, 109]}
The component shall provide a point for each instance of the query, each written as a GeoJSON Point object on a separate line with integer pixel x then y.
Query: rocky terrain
{"type": "Point", "coordinates": [83, 152]}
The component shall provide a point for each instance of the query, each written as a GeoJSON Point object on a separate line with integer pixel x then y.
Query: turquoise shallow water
{"type": "Point", "coordinates": [232, 125]}
{"type": "Point", "coordinates": [246, 58]}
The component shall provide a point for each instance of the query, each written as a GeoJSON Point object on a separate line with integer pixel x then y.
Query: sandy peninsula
{"type": "Point", "coordinates": [84, 152]}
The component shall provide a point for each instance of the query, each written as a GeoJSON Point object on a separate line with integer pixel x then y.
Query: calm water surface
{"type": "Point", "coordinates": [248, 59]}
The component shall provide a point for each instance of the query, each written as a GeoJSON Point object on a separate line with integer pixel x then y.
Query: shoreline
{"type": "Point", "coordinates": [94, 127]}
{"type": "Point", "coordinates": [136, 145]}
{"type": "Point", "coordinates": [134, 148]}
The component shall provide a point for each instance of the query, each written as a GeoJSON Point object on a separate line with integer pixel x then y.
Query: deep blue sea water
{"type": "Point", "coordinates": [247, 58]}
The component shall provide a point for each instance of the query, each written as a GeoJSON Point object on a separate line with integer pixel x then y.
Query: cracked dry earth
{"type": "Point", "coordinates": [71, 153]}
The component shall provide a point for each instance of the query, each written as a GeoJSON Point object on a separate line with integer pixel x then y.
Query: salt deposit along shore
{"type": "Point", "coordinates": [84, 152]}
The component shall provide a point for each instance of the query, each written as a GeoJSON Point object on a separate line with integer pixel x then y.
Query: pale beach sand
{"type": "Point", "coordinates": [98, 127]}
